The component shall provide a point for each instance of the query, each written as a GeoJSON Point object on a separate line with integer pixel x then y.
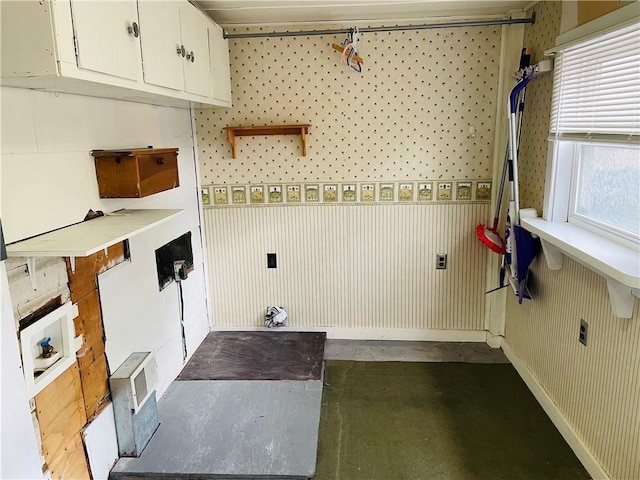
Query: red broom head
{"type": "Point", "coordinates": [491, 239]}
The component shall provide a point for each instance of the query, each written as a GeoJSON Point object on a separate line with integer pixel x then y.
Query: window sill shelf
{"type": "Point", "coordinates": [619, 265]}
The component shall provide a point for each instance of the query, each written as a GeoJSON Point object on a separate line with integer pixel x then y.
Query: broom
{"type": "Point", "coordinates": [489, 235]}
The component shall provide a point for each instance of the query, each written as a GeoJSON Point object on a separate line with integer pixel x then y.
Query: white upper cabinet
{"type": "Point", "coordinates": [161, 47]}
{"type": "Point", "coordinates": [108, 37]}
{"type": "Point", "coordinates": [175, 48]}
{"type": "Point", "coordinates": [220, 69]}
{"type": "Point", "coordinates": [151, 51]}
{"type": "Point", "coordinates": [195, 38]}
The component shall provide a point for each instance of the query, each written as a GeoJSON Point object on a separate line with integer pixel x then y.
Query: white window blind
{"type": "Point", "coordinates": [597, 86]}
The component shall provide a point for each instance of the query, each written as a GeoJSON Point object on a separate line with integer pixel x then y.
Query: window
{"type": "Point", "coordinates": [592, 187]}
{"type": "Point", "coordinates": [595, 135]}
{"type": "Point", "coordinates": [606, 193]}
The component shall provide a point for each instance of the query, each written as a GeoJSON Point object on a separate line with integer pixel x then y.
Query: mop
{"type": "Point", "coordinates": [520, 246]}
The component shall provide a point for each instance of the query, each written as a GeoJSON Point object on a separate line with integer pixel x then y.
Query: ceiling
{"type": "Point", "coordinates": [244, 12]}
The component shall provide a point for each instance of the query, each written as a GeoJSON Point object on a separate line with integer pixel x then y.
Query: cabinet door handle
{"type": "Point", "coordinates": [134, 30]}
{"type": "Point", "coordinates": [161, 161]}
{"type": "Point", "coordinates": [191, 56]}
{"type": "Point", "coordinates": [181, 50]}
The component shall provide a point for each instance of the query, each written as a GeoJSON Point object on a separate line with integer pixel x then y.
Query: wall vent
{"type": "Point", "coordinates": [134, 402]}
{"type": "Point", "coordinates": [135, 380]}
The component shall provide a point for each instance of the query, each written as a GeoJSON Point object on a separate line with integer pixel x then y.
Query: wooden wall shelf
{"type": "Point", "coordinates": [85, 238]}
{"type": "Point", "coordinates": [302, 130]}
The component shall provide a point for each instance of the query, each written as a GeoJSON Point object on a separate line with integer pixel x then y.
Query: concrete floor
{"type": "Point", "coordinates": [402, 351]}
{"type": "Point", "coordinates": [232, 429]}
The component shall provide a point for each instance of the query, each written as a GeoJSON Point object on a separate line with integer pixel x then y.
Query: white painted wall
{"type": "Point", "coordinates": [48, 175]}
{"type": "Point", "coordinates": [19, 456]}
{"type": "Point", "coordinates": [48, 181]}
{"type": "Point", "coordinates": [143, 319]}
{"type": "Point", "coordinates": [102, 444]}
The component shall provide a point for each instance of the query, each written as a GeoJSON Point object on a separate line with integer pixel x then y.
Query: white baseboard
{"type": "Point", "coordinates": [409, 334]}
{"type": "Point", "coordinates": [583, 453]}
{"type": "Point", "coordinates": [494, 341]}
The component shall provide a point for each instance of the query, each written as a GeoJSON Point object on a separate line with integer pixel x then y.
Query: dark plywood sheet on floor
{"type": "Point", "coordinates": [232, 429]}
{"type": "Point", "coordinates": [272, 355]}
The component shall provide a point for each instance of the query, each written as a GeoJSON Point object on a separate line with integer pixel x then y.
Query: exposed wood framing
{"type": "Point", "coordinates": [51, 279]}
{"type": "Point", "coordinates": [64, 407]}
{"type": "Point", "coordinates": [92, 361]}
{"type": "Point", "coordinates": [44, 310]}
{"type": "Point", "coordinates": [91, 357]}
{"type": "Point", "coordinates": [61, 415]}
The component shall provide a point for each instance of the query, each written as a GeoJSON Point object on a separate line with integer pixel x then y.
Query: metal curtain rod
{"type": "Point", "coordinates": [394, 28]}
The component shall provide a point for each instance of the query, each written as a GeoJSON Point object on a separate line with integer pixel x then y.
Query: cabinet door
{"type": "Point", "coordinates": [220, 70]}
{"type": "Point", "coordinates": [160, 24]}
{"type": "Point", "coordinates": [104, 41]}
{"type": "Point", "coordinates": [195, 37]}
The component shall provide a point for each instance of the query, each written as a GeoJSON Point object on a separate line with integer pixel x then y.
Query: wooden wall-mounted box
{"type": "Point", "coordinates": [136, 173]}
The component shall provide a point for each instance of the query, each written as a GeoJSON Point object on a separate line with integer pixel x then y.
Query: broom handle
{"type": "Point", "coordinates": [501, 191]}
{"type": "Point", "coordinates": [513, 141]}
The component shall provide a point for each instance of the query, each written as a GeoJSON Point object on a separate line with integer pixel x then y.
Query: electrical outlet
{"type": "Point", "coordinates": [441, 261]}
{"type": "Point", "coordinates": [179, 270]}
{"type": "Point", "coordinates": [272, 260]}
{"type": "Point", "coordinates": [584, 332]}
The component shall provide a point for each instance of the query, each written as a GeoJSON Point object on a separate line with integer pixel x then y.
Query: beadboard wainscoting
{"type": "Point", "coordinates": [595, 389]}
{"type": "Point", "coordinates": [366, 267]}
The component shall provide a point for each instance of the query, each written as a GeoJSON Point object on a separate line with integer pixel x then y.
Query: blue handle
{"type": "Point", "coordinates": [45, 342]}
{"type": "Point", "coordinates": [513, 97]}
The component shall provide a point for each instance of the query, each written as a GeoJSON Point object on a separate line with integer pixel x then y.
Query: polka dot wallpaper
{"type": "Point", "coordinates": [423, 108]}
